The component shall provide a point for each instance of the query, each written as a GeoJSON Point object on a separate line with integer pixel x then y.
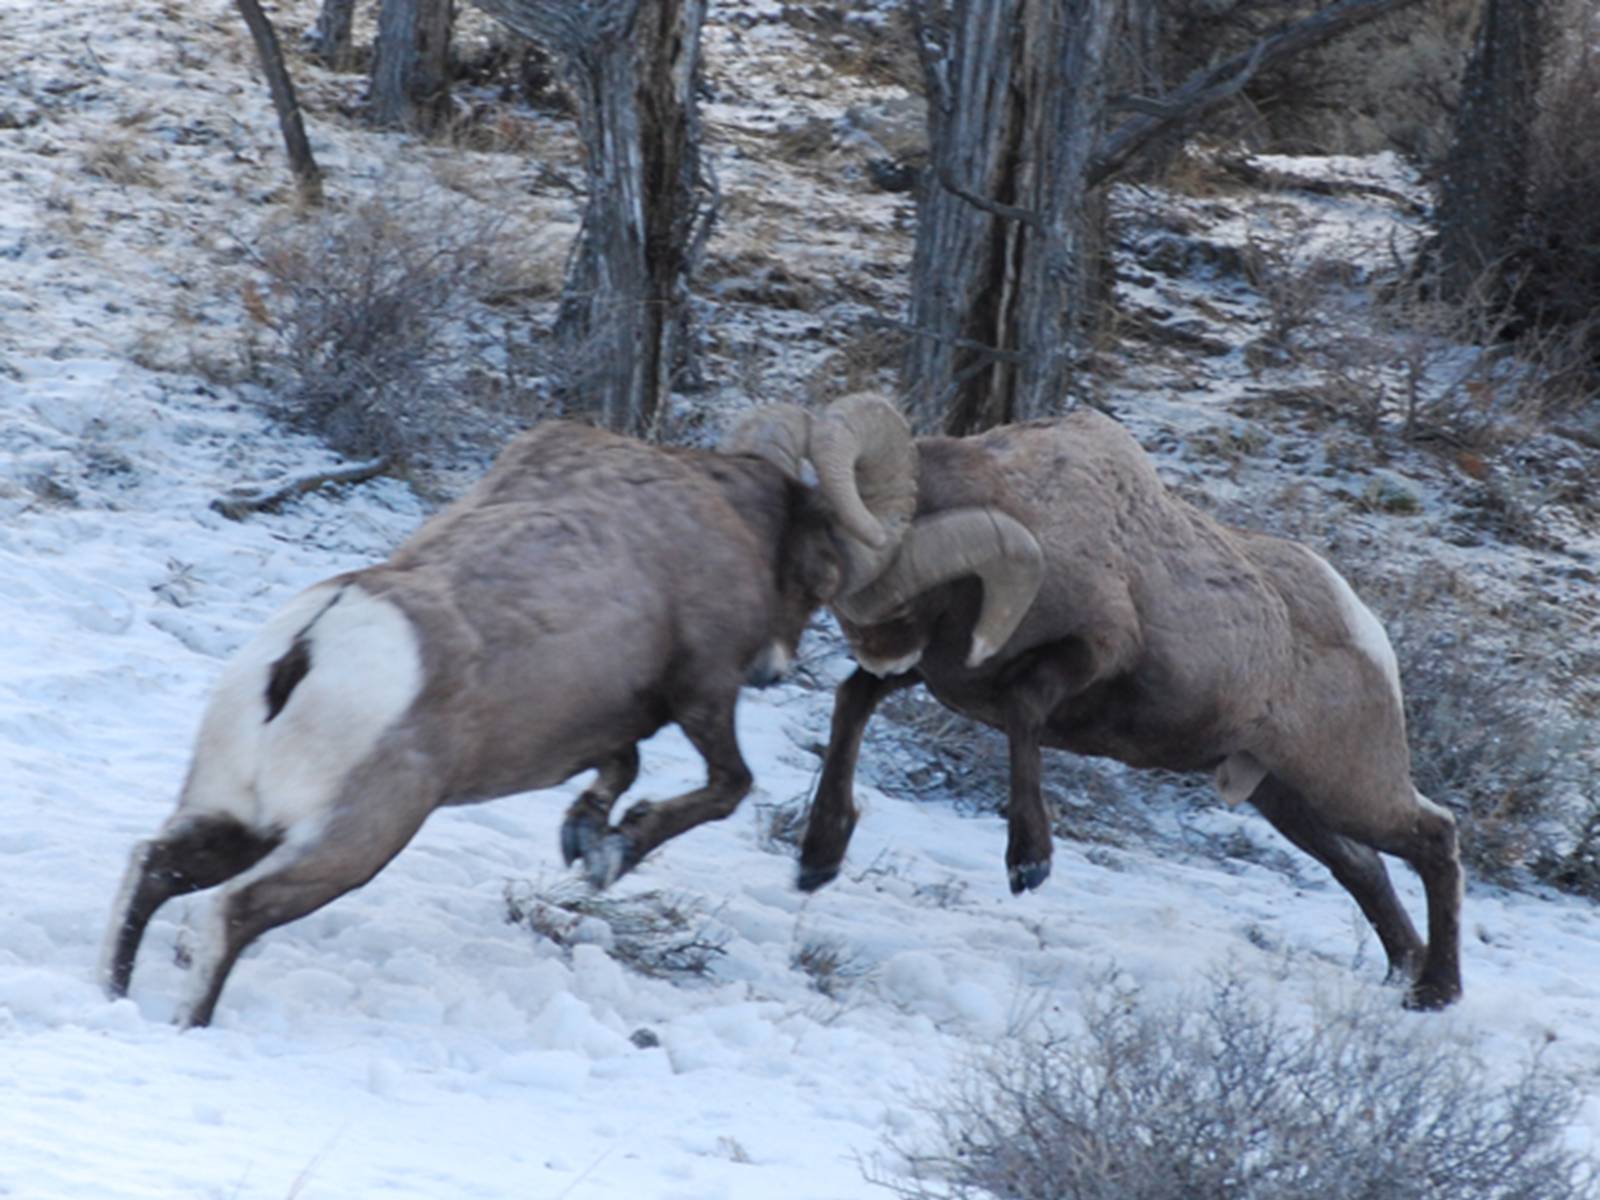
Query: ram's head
{"type": "Point", "coordinates": [865, 462]}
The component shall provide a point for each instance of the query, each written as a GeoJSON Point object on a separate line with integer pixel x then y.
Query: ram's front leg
{"type": "Point", "coordinates": [708, 724]}
{"type": "Point", "coordinates": [589, 815]}
{"type": "Point", "coordinates": [1034, 690]}
{"type": "Point", "coordinates": [833, 811]}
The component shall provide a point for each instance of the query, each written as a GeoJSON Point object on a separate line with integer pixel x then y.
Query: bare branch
{"type": "Point", "coordinates": [307, 177]}
{"type": "Point", "coordinates": [238, 502]}
{"type": "Point", "coordinates": [1182, 110]}
{"type": "Point", "coordinates": [1007, 212]}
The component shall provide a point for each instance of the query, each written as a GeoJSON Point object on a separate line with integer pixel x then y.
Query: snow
{"type": "Point", "coordinates": [407, 1040]}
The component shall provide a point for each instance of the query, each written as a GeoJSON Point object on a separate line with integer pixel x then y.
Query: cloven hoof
{"type": "Point", "coordinates": [1027, 876]}
{"type": "Point", "coordinates": [1426, 997]}
{"type": "Point", "coordinates": [812, 878]}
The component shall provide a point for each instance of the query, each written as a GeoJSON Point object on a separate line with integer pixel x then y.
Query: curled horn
{"type": "Point", "coordinates": [985, 542]}
{"type": "Point", "coordinates": [779, 433]}
{"type": "Point", "coordinates": [866, 467]}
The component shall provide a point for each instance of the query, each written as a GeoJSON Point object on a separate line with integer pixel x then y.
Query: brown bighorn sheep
{"type": "Point", "coordinates": [588, 590]}
{"type": "Point", "coordinates": [1155, 636]}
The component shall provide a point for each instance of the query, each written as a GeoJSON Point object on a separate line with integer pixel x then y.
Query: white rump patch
{"type": "Point", "coordinates": [365, 672]}
{"type": "Point", "coordinates": [1365, 628]}
{"type": "Point", "coordinates": [1238, 776]}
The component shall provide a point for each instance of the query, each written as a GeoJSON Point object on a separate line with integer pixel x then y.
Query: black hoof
{"type": "Point", "coordinates": [1426, 997]}
{"type": "Point", "coordinates": [609, 859]}
{"type": "Point", "coordinates": [812, 878]}
{"type": "Point", "coordinates": [577, 836]}
{"type": "Point", "coordinates": [1027, 876]}
{"type": "Point", "coordinates": [582, 830]}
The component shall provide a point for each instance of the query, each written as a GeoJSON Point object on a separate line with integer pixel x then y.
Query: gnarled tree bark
{"type": "Point", "coordinates": [1004, 263]}
{"type": "Point", "coordinates": [411, 64]}
{"type": "Point", "coordinates": [1484, 194]}
{"type": "Point", "coordinates": [623, 329]}
{"type": "Point", "coordinates": [1006, 266]}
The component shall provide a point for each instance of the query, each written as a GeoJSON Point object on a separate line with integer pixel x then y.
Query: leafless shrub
{"type": "Point", "coordinates": [830, 965]}
{"type": "Point", "coordinates": [654, 933]}
{"type": "Point", "coordinates": [1218, 1096]}
{"type": "Point", "coordinates": [1509, 764]}
{"type": "Point", "coordinates": [781, 825]}
{"type": "Point", "coordinates": [367, 307]}
{"type": "Point", "coordinates": [860, 37]}
{"type": "Point", "coordinates": [121, 158]}
{"type": "Point", "coordinates": [1284, 283]}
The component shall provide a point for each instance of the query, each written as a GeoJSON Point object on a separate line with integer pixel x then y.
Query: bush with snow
{"type": "Point", "coordinates": [1220, 1098]}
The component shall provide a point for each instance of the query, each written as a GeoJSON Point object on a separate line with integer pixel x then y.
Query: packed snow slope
{"type": "Point", "coordinates": [410, 1040]}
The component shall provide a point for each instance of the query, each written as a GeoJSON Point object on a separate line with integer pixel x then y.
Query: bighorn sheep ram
{"type": "Point", "coordinates": [588, 590]}
{"type": "Point", "coordinates": [1134, 627]}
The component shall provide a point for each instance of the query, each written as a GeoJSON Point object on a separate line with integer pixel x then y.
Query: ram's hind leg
{"type": "Point", "coordinates": [193, 851]}
{"type": "Point", "coordinates": [1426, 838]}
{"type": "Point", "coordinates": [707, 721]}
{"type": "Point", "coordinates": [315, 864]}
{"type": "Point", "coordinates": [589, 815]}
{"type": "Point", "coordinates": [1357, 867]}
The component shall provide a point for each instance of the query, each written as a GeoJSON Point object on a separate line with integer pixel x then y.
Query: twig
{"type": "Point", "coordinates": [1009, 212]}
{"type": "Point", "coordinates": [238, 502]}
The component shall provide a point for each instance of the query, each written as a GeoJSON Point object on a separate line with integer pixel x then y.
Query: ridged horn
{"type": "Point", "coordinates": [779, 433]}
{"type": "Point", "coordinates": [985, 542]}
{"type": "Point", "coordinates": [866, 466]}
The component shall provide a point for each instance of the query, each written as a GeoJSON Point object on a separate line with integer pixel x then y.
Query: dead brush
{"type": "Point", "coordinates": [120, 159]}
{"type": "Point", "coordinates": [1509, 765]}
{"type": "Point", "coordinates": [1216, 1094]}
{"type": "Point", "coordinates": [656, 933]}
{"type": "Point", "coordinates": [829, 964]}
{"type": "Point", "coordinates": [781, 825]}
{"type": "Point", "coordinates": [369, 310]}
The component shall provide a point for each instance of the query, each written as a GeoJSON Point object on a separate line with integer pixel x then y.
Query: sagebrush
{"type": "Point", "coordinates": [369, 310]}
{"type": "Point", "coordinates": [1217, 1097]}
{"type": "Point", "coordinates": [655, 933]}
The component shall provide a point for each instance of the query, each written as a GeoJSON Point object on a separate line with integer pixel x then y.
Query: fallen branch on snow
{"type": "Point", "coordinates": [238, 502]}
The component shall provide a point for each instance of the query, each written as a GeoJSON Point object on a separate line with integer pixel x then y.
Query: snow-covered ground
{"type": "Point", "coordinates": [408, 1040]}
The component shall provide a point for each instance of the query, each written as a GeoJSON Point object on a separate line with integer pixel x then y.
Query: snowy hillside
{"type": "Point", "coordinates": [412, 1040]}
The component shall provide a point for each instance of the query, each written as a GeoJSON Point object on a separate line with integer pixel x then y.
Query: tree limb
{"type": "Point", "coordinates": [1182, 110]}
{"type": "Point", "coordinates": [1007, 212]}
{"type": "Point", "coordinates": [238, 502]}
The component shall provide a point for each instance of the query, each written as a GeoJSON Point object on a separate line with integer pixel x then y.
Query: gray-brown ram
{"type": "Point", "coordinates": [588, 590]}
{"type": "Point", "coordinates": [1123, 622]}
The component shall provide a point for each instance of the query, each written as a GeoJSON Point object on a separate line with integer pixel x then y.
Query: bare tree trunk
{"type": "Point", "coordinates": [331, 39]}
{"type": "Point", "coordinates": [623, 328]}
{"type": "Point", "coordinates": [1007, 235]}
{"type": "Point", "coordinates": [307, 177]}
{"type": "Point", "coordinates": [1484, 194]}
{"type": "Point", "coordinates": [410, 68]}
{"type": "Point", "coordinates": [1006, 270]}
